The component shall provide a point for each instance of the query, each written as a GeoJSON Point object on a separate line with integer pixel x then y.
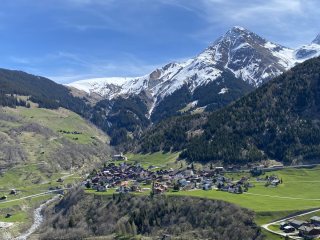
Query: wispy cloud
{"type": "Point", "coordinates": [74, 67]}
{"type": "Point", "coordinates": [286, 19]}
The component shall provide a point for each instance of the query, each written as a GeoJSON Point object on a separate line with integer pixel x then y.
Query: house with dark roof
{"type": "Point", "coordinates": [315, 220]}
{"type": "Point", "coordinates": [297, 223]}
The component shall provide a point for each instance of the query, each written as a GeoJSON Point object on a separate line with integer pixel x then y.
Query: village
{"type": "Point", "coordinates": [132, 177]}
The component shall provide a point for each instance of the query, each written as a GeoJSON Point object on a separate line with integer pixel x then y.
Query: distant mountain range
{"type": "Point", "coordinates": [240, 52]}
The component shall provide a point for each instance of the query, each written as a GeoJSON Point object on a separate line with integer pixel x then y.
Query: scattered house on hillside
{"type": "Point", "coordinates": [272, 181]}
{"type": "Point", "coordinates": [13, 192]}
{"type": "Point", "coordinates": [307, 230]}
{"type": "Point", "coordinates": [60, 180]}
{"type": "Point", "coordinates": [219, 169]}
{"type": "Point", "coordinates": [3, 197]}
{"type": "Point", "coordinates": [119, 157]}
{"type": "Point", "coordinates": [315, 220]}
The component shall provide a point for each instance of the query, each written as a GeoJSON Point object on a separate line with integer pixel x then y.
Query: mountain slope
{"type": "Point", "coordinates": [60, 138]}
{"type": "Point", "coordinates": [41, 90]}
{"type": "Point", "coordinates": [240, 53]}
{"type": "Point", "coordinates": [247, 55]}
{"type": "Point", "coordinates": [280, 121]}
{"type": "Point", "coordinates": [37, 147]}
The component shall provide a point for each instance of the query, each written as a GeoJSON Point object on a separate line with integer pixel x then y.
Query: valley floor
{"type": "Point", "coordinates": [298, 192]}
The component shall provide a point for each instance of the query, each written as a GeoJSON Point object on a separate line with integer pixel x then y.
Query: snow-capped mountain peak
{"type": "Point", "coordinates": [317, 39]}
{"type": "Point", "coordinates": [239, 51]}
{"type": "Point", "coordinates": [249, 56]}
{"type": "Point", "coordinates": [105, 87]}
{"type": "Point", "coordinates": [308, 51]}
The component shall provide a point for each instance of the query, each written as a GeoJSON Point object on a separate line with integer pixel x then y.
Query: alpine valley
{"type": "Point", "coordinates": [223, 146]}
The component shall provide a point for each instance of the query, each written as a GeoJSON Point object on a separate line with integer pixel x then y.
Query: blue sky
{"type": "Point", "coordinates": [68, 40]}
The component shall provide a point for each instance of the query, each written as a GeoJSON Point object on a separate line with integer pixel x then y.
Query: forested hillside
{"type": "Point", "coordinates": [81, 215]}
{"type": "Point", "coordinates": [212, 96]}
{"type": "Point", "coordinates": [280, 121]}
{"type": "Point", "coordinates": [121, 117]}
{"type": "Point", "coordinates": [43, 91]}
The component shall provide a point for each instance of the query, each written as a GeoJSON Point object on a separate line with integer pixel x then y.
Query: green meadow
{"type": "Point", "coordinates": [61, 119]}
{"type": "Point", "coordinates": [158, 159]}
{"type": "Point", "coordinates": [298, 192]}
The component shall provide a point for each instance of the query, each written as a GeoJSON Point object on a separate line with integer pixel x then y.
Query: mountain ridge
{"type": "Point", "coordinates": [238, 42]}
{"type": "Point", "coordinates": [229, 68]}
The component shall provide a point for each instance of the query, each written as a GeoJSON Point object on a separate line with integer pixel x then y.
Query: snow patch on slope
{"type": "Point", "coordinates": [101, 86]}
{"type": "Point", "coordinates": [223, 91]}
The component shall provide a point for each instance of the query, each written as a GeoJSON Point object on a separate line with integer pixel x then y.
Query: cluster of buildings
{"type": "Point", "coordinates": [127, 177]}
{"type": "Point", "coordinates": [305, 229]}
{"type": "Point", "coordinates": [273, 181]}
{"type": "Point", "coordinates": [270, 181]}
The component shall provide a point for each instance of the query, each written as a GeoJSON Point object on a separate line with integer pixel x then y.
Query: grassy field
{"type": "Point", "coordinates": [298, 192]}
{"type": "Point", "coordinates": [38, 171]}
{"type": "Point", "coordinates": [160, 160]}
{"type": "Point", "coordinates": [61, 119]}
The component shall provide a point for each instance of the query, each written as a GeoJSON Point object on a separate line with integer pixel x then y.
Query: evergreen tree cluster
{"type": "Point", "coordinates": [12, 101]}
{"type": "Point", "coordinates": [121, 116]}
{"type": "Point", "coordinates": [81, 215]}
{"type": "Point", "coordinates": [43, 91]}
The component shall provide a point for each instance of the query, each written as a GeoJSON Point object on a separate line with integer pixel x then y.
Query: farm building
{"type": "Point", "coordinates": [119, 157]}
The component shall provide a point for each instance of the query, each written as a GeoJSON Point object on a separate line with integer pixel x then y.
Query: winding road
{"type": "Point", "coordinates": [34, 195]}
